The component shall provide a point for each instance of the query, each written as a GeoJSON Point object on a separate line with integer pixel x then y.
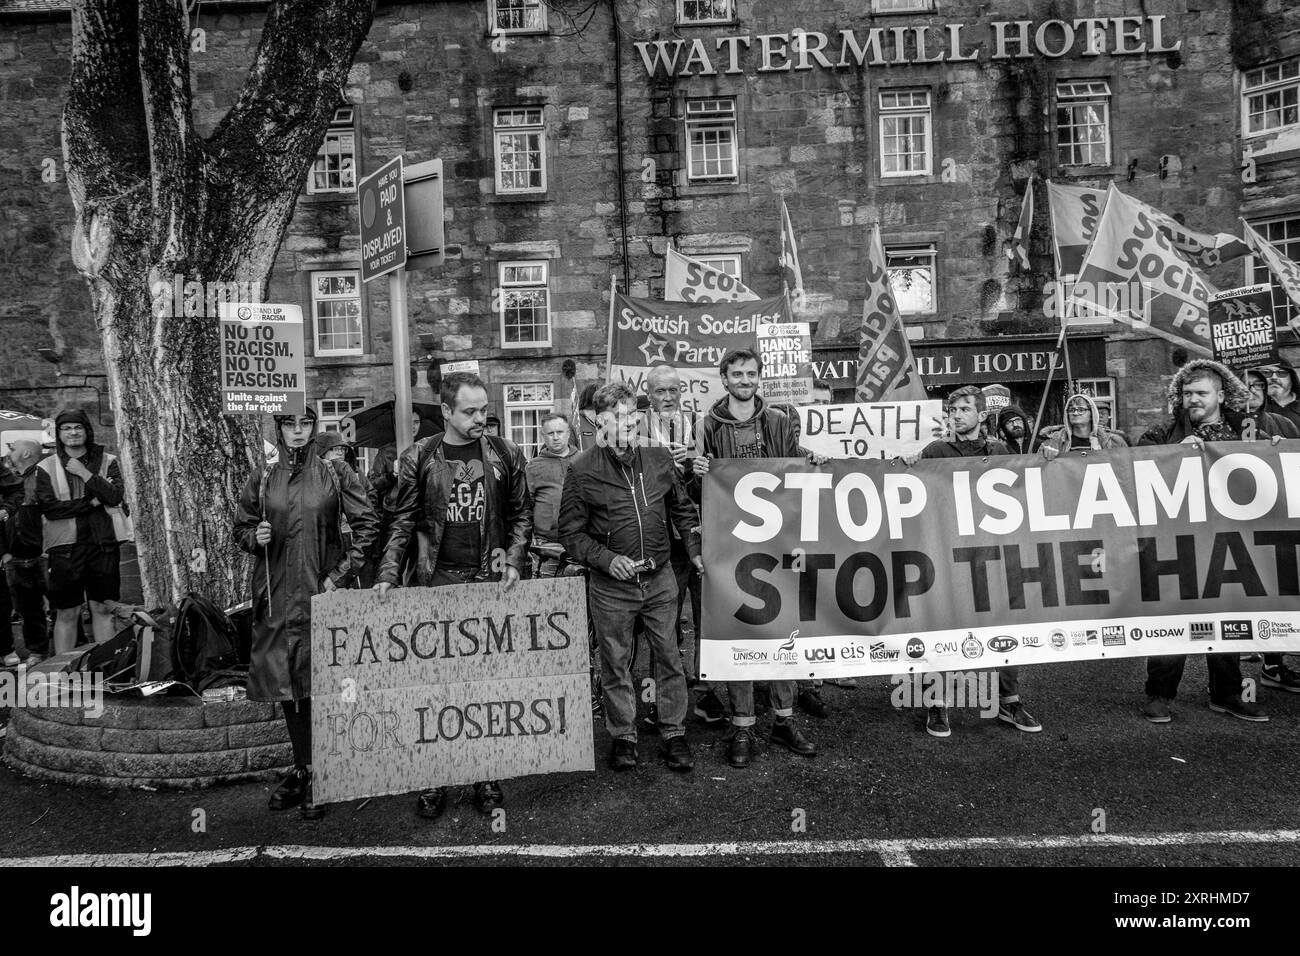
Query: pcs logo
{"type": "Point", "coordinates": [916, 648]}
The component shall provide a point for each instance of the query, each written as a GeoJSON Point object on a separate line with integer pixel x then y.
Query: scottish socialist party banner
{"type": "Point", "coordinates": [954, 564]}
{"type": "Point", "coordinates": [688, 280]}
{"type": "Point", "coordinates": [886, 369]}
{"type": "Point", "coordinates": [690, 336]}
{"type": "Point", "coordinates": [450, 685]}
{"type": "Point", "coordinates": [1075, 212]}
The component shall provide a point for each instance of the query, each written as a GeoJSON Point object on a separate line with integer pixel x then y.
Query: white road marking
{"type": "Point", "coordinates": [891, 852]}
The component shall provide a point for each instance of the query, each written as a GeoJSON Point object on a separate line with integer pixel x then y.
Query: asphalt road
{"type": "Point", "coordinates": [878, 777]}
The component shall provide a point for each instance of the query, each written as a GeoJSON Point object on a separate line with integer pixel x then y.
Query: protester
{"type": "Point", "coordinates": [493, 426]}
{"type": "Point", "coordinates": [469, 493]}
{"type": "Point", "coordinates": [1012, 429]}
{"type": "Point", "coordinates": [1210, 403]}
{"type": "Point", "coordinates": [585, 429]}
{"type": "Point", "coordinates": [330, 447]}
{"type": "Point", "coordinates": [1283, 391]}
{"type": "Point", "coordinates": [966, 414]}
{"type": "Point", "coordinates": [740, 425]}
{"type": "Point", "coordinates": [11, 499]}
{"type": "Point", "coordinates": [1082, 430]}
{"type": "Point", "coordinates": [383, 492]}
{"type": "Point", "coordinates": [618, 503]}
{"type": "Point", "coordinates": [545, 473]}
{"type": "Point", "coordinates": [290, 518]}
{"type": "Point", "coordinates": [79, 490]}
{"type": "Point", "coordinates": [20, 554]}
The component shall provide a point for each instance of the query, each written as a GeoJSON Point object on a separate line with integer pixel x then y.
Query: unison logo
{"type": "Point", "coordinates": [77, 909]}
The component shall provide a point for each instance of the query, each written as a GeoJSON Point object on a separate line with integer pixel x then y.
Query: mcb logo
{"type": "Point", "coordinates": [1238, 631]}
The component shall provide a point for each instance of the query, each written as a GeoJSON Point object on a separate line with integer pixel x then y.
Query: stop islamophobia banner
{"type": "Point", "coordinates": [438, 686]}
{"type": "Point", "coordinates": [692, 337]}
{"type": "Point", "coordinates": [860, 568]}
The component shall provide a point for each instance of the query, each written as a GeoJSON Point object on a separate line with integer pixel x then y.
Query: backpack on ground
{"type": "Point", "coordinates": [205, 643]}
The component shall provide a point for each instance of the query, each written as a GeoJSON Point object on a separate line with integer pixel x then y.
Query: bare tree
{"type": "Point", "coordinates": [153, 199]}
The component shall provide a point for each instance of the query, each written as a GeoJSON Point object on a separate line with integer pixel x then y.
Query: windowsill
{"type": "Point", "coordinates": [530, 347]}
{"type": "Point", "coordinates": [335, 359]}
{"type": "Point", "coordinates": [733, 22]}
{"type": "Point", "coordinates": [540, 32]}
{"type": "Point", "coordinates": [715, 189]}
{"type": "Point", "coordinates": [912, 179]}
{"type": "Point", "coordinates": [519, 197]}
{"type": "Point", "coordinates": [1088, 172]}
{"type": "Point", "coordinates": [349, 196]}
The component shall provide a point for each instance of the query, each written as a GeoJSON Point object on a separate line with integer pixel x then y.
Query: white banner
{"type": "Point", "coordinates": [869, 430]}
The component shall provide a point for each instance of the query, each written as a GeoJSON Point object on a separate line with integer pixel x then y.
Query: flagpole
{"type": "Point", "coordinates": [609, 329]}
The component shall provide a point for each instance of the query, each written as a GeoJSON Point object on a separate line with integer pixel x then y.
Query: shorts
{"type": "Point", "coordinates": [82, 572]}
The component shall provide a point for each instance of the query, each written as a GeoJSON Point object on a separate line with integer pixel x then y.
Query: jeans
{"type": "Point", "coordinates": [1164, 673]}
{"type": "Point", "coordinates": [741, 693]}
{"type": "Point", "coordinates": [1008, 686]}
{"type": "Point", "coordinates": [615, 607]}
{"type": "Point", "coordinates": [26, 580]}
{"type": "Point", "coordinates": [688, 581]}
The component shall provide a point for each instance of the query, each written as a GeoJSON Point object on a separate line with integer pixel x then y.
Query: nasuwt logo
{"type": "Point", "coordinates": [879, 652]}
{"type": "Point", "coordinates": [77, 909]}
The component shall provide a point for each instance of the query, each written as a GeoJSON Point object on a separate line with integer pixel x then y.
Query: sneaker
{"type": "Point", "coordinates": [936, 722]}
{"type": "Point", "coordinates": [709, 708]}
{"type": "Point", "coordinates": [623, 755]}
{"type": "Point", "coordinates": [12, 659]}
{"type": "Point", "coordinates": [741, 748]}
{"type": "Point", "coordinates": [1239, 708]}
{"type": "Point", "coordinates": [488, 796]}
{"type": "Point", "coordinates": [430, 804]}
{"type": "Point", "coordinates": [1251, 658]}
{"type": "Point", "coordinates": [677, 754]}
{"type": "Point", "coordinates": [1016, 715]}
{"type": "Point", "coordinates": [292, 790]}
{"type": "Point", "coordinates": [1281, 677]}
{"type": "Point", "coordinates": [34, 659]}
{"type": "Point", "coordinates": [785, 733]}
{"type": "Point", "coordinates": [848, 683]}
{"type": "Point", "coordinates": [309, 809]}
{"type": "Point", "coordinates": [811, 703]}
{"type": "Point", "coordinates": [1157, 710]}
{"type": "Point", "coordinates": [597, 707]}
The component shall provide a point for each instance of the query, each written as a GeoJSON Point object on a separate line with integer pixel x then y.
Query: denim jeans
{"type": "Point", "coordinates": [615, 607]}
{"type": "Point", "coordinates": [26, 587]}
{"type": "Point", "coordinates": [1008, 686]}
{"type": "Point", "coordinates": [741, 693]}
{"type": "Point", "coordinates": [1164, 673]}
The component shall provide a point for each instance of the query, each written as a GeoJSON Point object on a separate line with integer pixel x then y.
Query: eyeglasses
{"type": "Point", "coordinates": [1278, 373]}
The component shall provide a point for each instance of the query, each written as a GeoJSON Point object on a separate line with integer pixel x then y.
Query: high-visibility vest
{"type": "Point", "coordinates": [63, 531]}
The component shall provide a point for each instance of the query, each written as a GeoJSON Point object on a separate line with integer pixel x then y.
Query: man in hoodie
{"type": "Point", "coordinates": [1082, 430]}
{"type": "Point", "coordinates": [1283, 391]}
{"type": "Point", "coordinates": [468, 492]}
{"type": "Point", "coordinates": [740, 425]}
{"type": "Point", "coordinates": [545, 473]}
{"type": "Point", "coordinates": [20, 556]}
{"type": "Point", "coordinates": [1013, 430]}
{"type": "Point", "coordinates": [618, 501]}
{"type": "Point", "coordinates": [76, 487]}
{"type": "Point", "coordinates": [1210, 403]}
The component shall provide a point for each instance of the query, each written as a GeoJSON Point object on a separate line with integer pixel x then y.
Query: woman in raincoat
{"type": "Point", "coordinates": [289, 518]}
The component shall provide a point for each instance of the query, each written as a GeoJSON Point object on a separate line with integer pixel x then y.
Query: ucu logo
{"type": "Point", "coordinates": [819, 654]}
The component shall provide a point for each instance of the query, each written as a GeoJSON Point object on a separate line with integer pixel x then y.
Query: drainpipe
{"type": "Point", "coordinates": [618, 122]}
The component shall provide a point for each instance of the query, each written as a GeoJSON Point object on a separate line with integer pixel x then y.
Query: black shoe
{"type": "Point", "coordinates": [787, 735]}
{"type": "Point", "coordinates": [651, 719]}
{"type": "Point", "coordinates": [431, 803]}
{"type": "Point", "coordinates": [709, 708]}
{"type": "Point", "coordinates": [310, 810]}
{"type": "Point", "coordinates": [677, 754]}
{"type": "Point", "coordinates": [623, 755]}
{"type": "Point", "coordinates": [811, 703]}
{"type": "Point", "coordinates": [741, 749]}
{"type": "Point", "coordinates": [488, 796]}
{"type": "Point", "coordinates": [291, 790]}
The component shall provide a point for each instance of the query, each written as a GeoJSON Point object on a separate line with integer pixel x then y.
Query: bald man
{"type": "Point", "coordinates": [20, 554]}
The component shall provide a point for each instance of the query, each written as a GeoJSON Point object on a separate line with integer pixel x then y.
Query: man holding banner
{"type": "Point", "coordinates": [1210, 400]}
{"type": "Point", "coordinates": [741, 426]}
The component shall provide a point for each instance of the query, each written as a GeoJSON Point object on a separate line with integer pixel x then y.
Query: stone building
{"type": "Point", "coordinates": [576, 147]}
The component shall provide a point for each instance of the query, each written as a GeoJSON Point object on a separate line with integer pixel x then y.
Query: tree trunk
{"type": "Point", "coordinates": [155, 201]}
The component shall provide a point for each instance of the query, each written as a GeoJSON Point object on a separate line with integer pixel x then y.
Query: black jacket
{"type": "Point", "coordinates": [89, 498]}
{"type": "Point", "coordinates": [610, 507]}
{"type": "Point", "coordinates": [939, 448]}
{"type": "Point", "coordinates": [1174, 431]}
{"type": "Point", "coordinates": [721, 434]}
{"type": "Point", "coordinates": [423, 488]}
{"type": "Point", "coordinates": [21, 533]}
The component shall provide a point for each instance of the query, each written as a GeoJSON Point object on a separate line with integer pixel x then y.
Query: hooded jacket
{"type": "Point", "coordinates": [1289, 412]}
{"type": "Point", "coordinates": [303, 503]}
{"type": "Point", "coordinates": [768, 433]}
{"type": "Point", "coordinates": [1060, 437]}
{"type": "Point", "coordinates": [1016, 446]}
{"type": "Point", "coordinates": [424, 481]}
{"type": "Point", "coordinates": [1283, 424]}
{"type": "Point", "coordinates": [83, 517]}
{"type": "Point", "coordinates": [545, 475]}
{"type": "Point", "coordinates": [1233, 409]}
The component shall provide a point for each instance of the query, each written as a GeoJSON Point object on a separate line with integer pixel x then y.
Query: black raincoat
{"type": "Point", "coordinates": [302, 504]}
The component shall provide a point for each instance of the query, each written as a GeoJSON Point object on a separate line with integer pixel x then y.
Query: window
{"type": "Point", "coordinates": [904, 132]}
{"type": "Point", "coordinates": [518, 16]}
{"type": "Point", "coordinates": [705, 11]}
{"type": "Point", "coordinates": [526, 405]}
{"type": "Point", "coordinates": [336, 312]}
{"type": "Point", "coordinates": [1102, 392]}
{"type": "Point", "coordinates": [1271, 97]}
{"type": "Point", "coordinates": [525, 304]}
{"type": "Point", "coordinates": [1083, 123]}
{"type": "Point", "coordinates": [334, 169]}
{"type": "Point", "coordinates": [1284, 234]}
{"type": "Point", "coordinates": [911, 278]}
{"type": "Point", "coordinates": [330, 414]}
{"type": "Point", "coordinates": [711, 140]}
{"type": "Point", "coordinates": [902, 6]}
{"type": "Point", "coordinates": [730, 264]}
{"type": "Point", "coordinates": [521, 150]}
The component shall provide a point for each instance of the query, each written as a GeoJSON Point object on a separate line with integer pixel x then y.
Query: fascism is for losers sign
{"type": "Point", "coordinates": [439, 686]}
{"type": "Point", "coordinates": [869, 568]}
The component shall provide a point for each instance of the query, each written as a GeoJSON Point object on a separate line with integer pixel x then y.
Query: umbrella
{"type": "Point", "coordinates": [373, 427]}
